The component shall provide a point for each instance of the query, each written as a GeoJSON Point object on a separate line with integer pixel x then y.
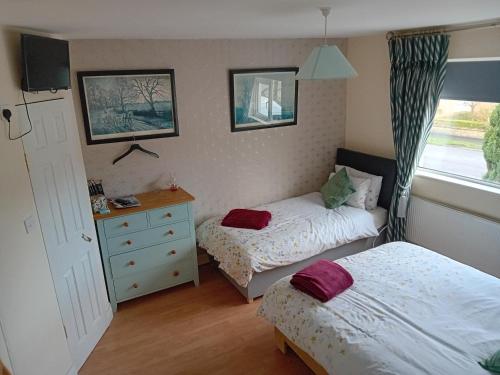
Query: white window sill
{"type": "Point", "coordinates": [425, 173]}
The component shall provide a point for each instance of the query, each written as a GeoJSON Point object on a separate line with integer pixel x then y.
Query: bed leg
{"type": "Point", "coordinates": [249, 300]}
{"type": "Point", "coordinates": [280, 341]}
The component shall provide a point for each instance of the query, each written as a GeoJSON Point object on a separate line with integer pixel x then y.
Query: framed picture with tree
{"type": "Point", "coordinates": [124, 105]}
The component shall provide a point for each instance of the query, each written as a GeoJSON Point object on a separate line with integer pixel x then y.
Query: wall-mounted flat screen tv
{"type": "Point", "coordinates": [45, 63]}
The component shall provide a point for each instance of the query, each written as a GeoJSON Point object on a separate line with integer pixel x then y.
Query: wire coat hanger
{"type": "Point", "coordinates": [135, 147]}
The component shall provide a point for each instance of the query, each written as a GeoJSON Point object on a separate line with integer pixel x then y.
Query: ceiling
{"type": "Point", "coordinates": [235, 18]}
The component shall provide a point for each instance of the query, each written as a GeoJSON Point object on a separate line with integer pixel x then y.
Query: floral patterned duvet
{"type": "Point", "coordinates": [410, 311]}
{"type": "Point", "coordinates": [300, 228]}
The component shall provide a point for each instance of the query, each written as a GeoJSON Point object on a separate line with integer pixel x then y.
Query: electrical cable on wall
{"type": "Point", "coordinates": [7, 115]}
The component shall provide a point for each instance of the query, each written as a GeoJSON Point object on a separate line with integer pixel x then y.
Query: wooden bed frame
{"type": "Point", "coordinates": [283, 343]}
{"type": "Point", "coordinates": [3, 369]}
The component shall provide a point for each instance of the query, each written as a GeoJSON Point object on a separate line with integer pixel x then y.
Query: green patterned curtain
{"type": "Point", "coordinates": [418, 67]}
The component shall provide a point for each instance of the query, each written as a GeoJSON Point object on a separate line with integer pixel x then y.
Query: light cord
{"type": "Point", "coordinates": [326, 23]}
{"type": "Point", "coordinates": [325, 11]}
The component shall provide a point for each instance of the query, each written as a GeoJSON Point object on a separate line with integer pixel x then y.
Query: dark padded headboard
{"type": "Point", "coordinates": [373, 165]}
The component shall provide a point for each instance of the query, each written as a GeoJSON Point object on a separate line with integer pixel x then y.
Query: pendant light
{"type": "Point", "coordinates": [326, 62]}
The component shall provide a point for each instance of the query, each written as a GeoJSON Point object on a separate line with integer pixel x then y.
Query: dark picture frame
{"type": "Point", "coordinates": [251, 109]}
{"type": "Point", "coordinates": [126, 105]}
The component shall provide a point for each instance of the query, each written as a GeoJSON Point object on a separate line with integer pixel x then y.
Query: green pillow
{"type": "Point", "coordinates": [337, 189]}
{"type": "Point", "coordinates": [492, 364]}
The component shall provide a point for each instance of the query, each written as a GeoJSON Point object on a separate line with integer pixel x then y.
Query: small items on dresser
{"type": "Point", "coordinates": [97, 198]}
{"type": "Point", "coordinates": [126, 202]}
{"type": "Point", "coordinates": [173, 183]}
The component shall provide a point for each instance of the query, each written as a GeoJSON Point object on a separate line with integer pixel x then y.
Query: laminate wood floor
{"type": "Point", "coordinates": [188, 330]}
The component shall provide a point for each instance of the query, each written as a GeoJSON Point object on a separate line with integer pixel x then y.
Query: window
{"type": "Point", "coordinates": [266, 100]}
{"type": "Point", "coordinates": [465, 135]}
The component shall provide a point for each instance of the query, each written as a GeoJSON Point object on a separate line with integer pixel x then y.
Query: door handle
{"type": "Point", "coordinates": [86, 238]}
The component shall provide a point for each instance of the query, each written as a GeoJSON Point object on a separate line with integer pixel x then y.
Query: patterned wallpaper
{"type": "Point", "coordinates": [223, 170]}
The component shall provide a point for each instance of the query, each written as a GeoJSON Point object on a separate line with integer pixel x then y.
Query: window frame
{"type": "Point", "coordinates": [453, 176]}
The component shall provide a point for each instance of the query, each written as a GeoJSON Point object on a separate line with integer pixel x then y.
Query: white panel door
{"type": "Point", "coordinates": [59, 184]}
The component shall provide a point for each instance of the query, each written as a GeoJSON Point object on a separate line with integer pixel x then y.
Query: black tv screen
{"type": "Point", "coordinates": [45, 63]}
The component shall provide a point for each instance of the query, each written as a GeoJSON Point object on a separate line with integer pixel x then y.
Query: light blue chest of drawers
{"type": "Point", "coordinates": [149, 248]}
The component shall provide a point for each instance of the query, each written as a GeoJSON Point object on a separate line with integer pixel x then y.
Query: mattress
{"type": "Point", "coordinates": [379, 216]}
{"type": "Point", "coordinates": [300, 228]}
{"type": "Point", "coordinates": [410, 311]}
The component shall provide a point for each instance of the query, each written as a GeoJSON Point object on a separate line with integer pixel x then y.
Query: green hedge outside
{"type": "Point", "coordinates": [462, 124]}
{"type": "Point", "coordinates": [491, 147]}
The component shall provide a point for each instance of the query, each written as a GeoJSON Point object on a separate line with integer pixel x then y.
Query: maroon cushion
{"type": "Point", "coordinates": [322, 280]}
{"type": "Point", "coordinates": [248, 219]}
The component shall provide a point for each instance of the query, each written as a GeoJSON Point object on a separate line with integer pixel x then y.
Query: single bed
{"type": "Point", "coordinates": [409, 311]}
{"type": "Point", "coordinates": [302, 230]}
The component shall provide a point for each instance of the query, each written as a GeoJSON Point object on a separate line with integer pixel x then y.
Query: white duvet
{"type": "Point", "coordinates": [300, 228]}
{"type": "Point", "coordinates": [410, 311]}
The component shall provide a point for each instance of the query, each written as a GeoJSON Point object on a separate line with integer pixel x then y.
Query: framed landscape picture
{"type": "Point", "coordinates": [123, 105]}
{"type": "Point", "coordinates": [263, 98]}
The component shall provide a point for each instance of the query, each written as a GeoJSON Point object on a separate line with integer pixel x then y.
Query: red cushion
{"type": "Point", "coordinates": [248, 219]}
{"type": "Point", "coordinates": [322, 280]}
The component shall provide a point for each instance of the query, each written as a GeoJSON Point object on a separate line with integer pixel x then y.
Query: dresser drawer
{"type": "Point", "coordinates": [153, 280]}
{"type": "Point", "coordinates": [151, 257]}
{"type": "Point", "coordinates": [125, 224]}
{"type": "Point", "coordinates": [167, 215]}
{"type": "Point", "coordinates": [145, 238]}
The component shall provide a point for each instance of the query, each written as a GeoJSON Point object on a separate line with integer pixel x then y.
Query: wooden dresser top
{"type": "Point", "coordinates": [150, 200]}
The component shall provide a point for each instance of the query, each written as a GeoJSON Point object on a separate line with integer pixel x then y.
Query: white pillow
{"type": "Point", "coordinates": [358, 198]}
{"type": "Point", "coordinates": [375, 186]}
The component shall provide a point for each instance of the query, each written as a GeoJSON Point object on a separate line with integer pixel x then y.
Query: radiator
{"type": "Point", "coordinates": [456, 234]}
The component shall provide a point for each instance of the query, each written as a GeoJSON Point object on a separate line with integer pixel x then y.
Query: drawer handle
{"type": "Point", "coordinates": [125, 224]}
{"type": "Point", "coordinates": [173, 252]}
{"type": "Point", "coordinates": [170, 232]}
{"type": "Point", "coordinates": [135, 285]}
{"type": "Point", "coordinates": [128, 242]}
{"type": "Point", "coordinates": [168, 214]}
{"type": "Point", "coordinates": [176, 273]}
{"type": "Point", "coordinates": [131, 263]}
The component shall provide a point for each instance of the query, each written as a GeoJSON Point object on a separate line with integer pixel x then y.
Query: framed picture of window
{"type": "Point", "coordinates": [263, 98]}
{"type": "Point", "coordinates": [125, 105]}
